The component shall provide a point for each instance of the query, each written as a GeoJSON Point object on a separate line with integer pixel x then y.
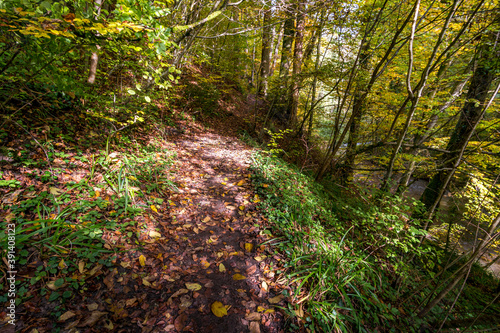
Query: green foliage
{"type": "Point", "coordinates": [341, 251]}
{"type": "Point", "coordinates": [273, 144]}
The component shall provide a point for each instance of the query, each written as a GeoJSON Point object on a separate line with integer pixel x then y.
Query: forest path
{"type": "Point", "coordinates": [208, 247]}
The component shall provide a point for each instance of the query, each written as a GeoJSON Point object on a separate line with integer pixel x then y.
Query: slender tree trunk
{"type": "Point", "coordinates": [94, 57]}
{"type": "Point", "coordinates": [265, 60]}
{"type": "Point", "coordinates": [358, 110]}
{"type": "Point", "coordinates": [293, 99]}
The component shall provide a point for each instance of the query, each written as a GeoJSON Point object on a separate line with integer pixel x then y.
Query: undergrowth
{"type": "Point", "coordinates": [74, 196]}
{"type": "Point", "coordinates": [348, 254]}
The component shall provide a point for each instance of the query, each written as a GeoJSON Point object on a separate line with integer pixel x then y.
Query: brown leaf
{"type": "Point", "coordinates": [93, 306]}
{"type": "Point", "coordinates": [253, 316]}
{"type": "Point", "coordinates": [251, 269]}
{"type": "Point", "coordinates": [254, 327]}
{"type": "Point", "coordinates": [180, 322]}
{"type": "Point", "coordinates": [131, 301]}
{"type": "Point", "coordinates": [94, 318]}
{"type": "Point", "coordinates": [186, 302]}
{"type": "Point", "coordinates": [66, 315]}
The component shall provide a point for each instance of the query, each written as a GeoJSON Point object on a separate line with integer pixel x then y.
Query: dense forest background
{"type": "Point", "coordinates": [376, 127]}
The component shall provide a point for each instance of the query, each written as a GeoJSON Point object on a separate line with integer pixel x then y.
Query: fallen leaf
{"type": "Point", "coordinates": [299, 312]}
{"type": "Point", "coordinates": [254, 327]}
{"type": "Point", "coordinates": [180, 322]}
{"type": "Point", "coordinates": [131, 301]}
{"type": "Point", "coordinates": [276, 299]}
{"type": "Point", "coordinates": [179, 292]}
{"type": "Point", "coordinates": [109, 324]}
{"type": "Point", "coordinates": [154, 234]}
{"type": "Point", "coordinates": [62, 264]}
{"type": "Point", "coordinates": [206, 219]}
{"type": "Point", "coordinates": [222, 268]}
{"type": "Point", "coordinates": [93, 306]}
{"type": "Point", "coordinates": [218, 309]}
{"type": "Point", "coordinates": [241, 207]}
{"type": "Point", "coordinates": [154, 209]}
{"type": "Point", "coordinates": [238, 277]}
{"type": "Point", "coordinates": [205, 264]}
{"type": "Point", "coordinates": [248, 247]}
{"type": "Point", "coordinates": [265, 286]}
{"type": "Point", "coordinates": [269, 311]}
{"type": "Point", "coordinates": [186, 302]}
{"type": "Point", "coordinates": [142, 260]}
{"type": "Point", "coordinates": [193, 286]}
{"type": "Point", "coordinates": [241, 182]}
{"type": "Point", "coordinates": [94, 318]}
{"type": "Point", "coordinates": [81, 266]}
{"type": "Point", "coordinates": [55, 191]}
{"type": "Point", "coordinates": [125, 264]}
{"type": "Point", "coordinates": [66, 315]}
{"type": "Point", "coordinates": [253, 316]}
{"type": "Point", "coordinates": [261, 309]}
{"type": "Point", "coordinates": [146, 282]}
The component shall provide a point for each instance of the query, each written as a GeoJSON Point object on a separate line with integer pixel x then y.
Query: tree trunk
{"type": "Point", "coordinates": [293, 98]}
{"type": "Point", "coordinates": [472, 112]}
{"type": "Point", "coordinates": [94, 57]}
{"type": "Point", "coordinates": [265, 61]}
{"type": "Point", "coordinates": [358, 110]}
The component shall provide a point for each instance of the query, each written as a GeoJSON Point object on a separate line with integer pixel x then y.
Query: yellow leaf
{"type": "Point", "coordinates": [248, 247]}
{"type": "Point", "coordinates": [223, 183]}
{"type": "Point", "coordinates": [238, 277]}
{"type": "Point", "coordinates": [125, 264]}
{"type": "Point", "coordinates": [142, 260]}
{"type": "Point", "coordinates": [225, 178]}
{"type": "Point", "coordinates": [242, 207]}
{"type": "Point", "coordinates": [154, 234]}
{"type": "Point", "coordinates": [193, 286]}
{"type": "Point", "coordinates": [241, 182]}
{"type": "Point", "coordinates": [261, 309]}
{"type": "Point", "coordinates": [218, 309]}
{"type": "Point", "coordinates": [222, 268]}
{"type": "Point", "coordinates": [265, 185]}
{"type": "Point", "coordinates": [81, 266]}
{"type": "Point", "coordinates": [276, 299]}
{"type": "Point", "coordinates": [153, 208]}
{"type": "Point", "coordinates": [62, 264]}
{"type": "Point", "coordinates": [269, 311]}
{"type": "Point", "coordinates": [206, 219]}
{"type": "Point", "coordinates": [146, 282]}
{"type": "Point", "coordinates": [205, 264]}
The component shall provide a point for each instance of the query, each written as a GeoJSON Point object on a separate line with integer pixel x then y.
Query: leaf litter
{"type": "Point", "coordinates": [195, 267]}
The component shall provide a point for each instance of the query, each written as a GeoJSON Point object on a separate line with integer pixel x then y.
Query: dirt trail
{"type": "Point", "coordinates": [196, 255]}
{"type": "Point", "coordinates": [212, 226]}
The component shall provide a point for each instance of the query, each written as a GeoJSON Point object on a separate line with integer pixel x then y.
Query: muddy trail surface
{"type": "Point", "coordinates": [199, 266]}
